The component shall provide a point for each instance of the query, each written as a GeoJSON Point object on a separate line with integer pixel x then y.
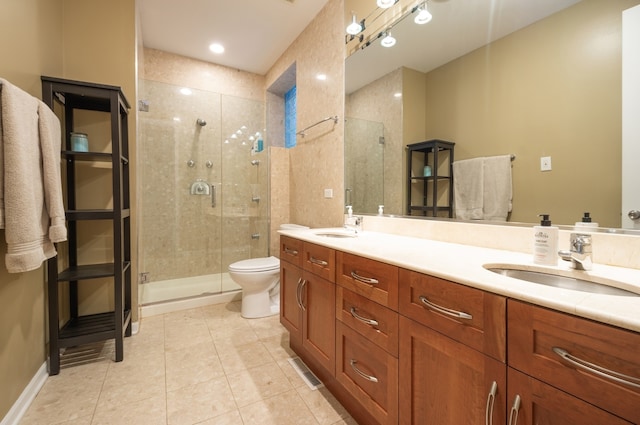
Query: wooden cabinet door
{"type": "Point", "coordinates": [319, 318]}
{"type": "Point", "coordinates": [290, 300]}
{"type": "Point", "coordinates": [445, 382]}
{"type": "Point", "coordinates": [532, 402]}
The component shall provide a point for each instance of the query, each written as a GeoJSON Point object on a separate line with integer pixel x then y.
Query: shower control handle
{"type": "Point", "coordinates": [213, 196]}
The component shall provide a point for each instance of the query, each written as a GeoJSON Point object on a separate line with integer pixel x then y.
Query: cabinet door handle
{"type": "Point", "coordinates": [595, 369]}
{"type": "Point", "coordinates": [298, 300]}
{"type": "Point", "coordinates": [444, 310]}
{"type": "Point", "coordinates": [361, 373]}
{"type": "Point", "coordinates": [318, 262]}
{"type": "Point", "coordinates": [290, 251]}
{"type": "Point", "coordinates": [491, 398]}
{"type": "Point", "coordinates": [513, 415]}
{"type": "Point", "coordinates": [369, 280]}
{"type": "Point", "coordinates": [363, 319]}
{"type": "Point", "coordinates": [213, 196]}
{"type": "Point", "coordinates": [302, 285]}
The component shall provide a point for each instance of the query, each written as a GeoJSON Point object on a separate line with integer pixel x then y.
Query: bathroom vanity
{"type": "Point", "coordinates": [414, 331]}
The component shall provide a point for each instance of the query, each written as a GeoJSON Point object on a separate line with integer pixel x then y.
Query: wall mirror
{"type": "Point", "coordinates": [548, 84]}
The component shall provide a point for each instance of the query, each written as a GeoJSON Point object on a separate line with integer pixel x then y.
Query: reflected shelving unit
{"type": "Point", "coordinates": [69, 323]}
{"type": "Point", "coordinates": [430, 178]}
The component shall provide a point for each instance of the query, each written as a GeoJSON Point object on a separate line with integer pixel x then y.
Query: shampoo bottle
{"type": "Point", "coordinates": [545, 242]}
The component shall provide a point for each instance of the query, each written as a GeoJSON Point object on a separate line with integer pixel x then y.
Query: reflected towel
{"type": "Point", "coordinates": [32, 212]}
{"type": "Point", "coordinates": [497, 189]}
{"type": "Point", "coordinates": [468, 188]}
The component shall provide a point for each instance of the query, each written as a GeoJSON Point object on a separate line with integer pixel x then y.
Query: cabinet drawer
{"type": "Point", "coordinates": [468, 315]}
{"type": "Point", "coordinates": [370, 278]}
{"type": "Point", "coordinates": [375, 322]}
{"type": "Point", "coordinates": [320, 260]}
{"type": "Point", "coordinates": [368, 373]}
{"type": "Point", "coordinates": [536, 336]}
{"type": "Point", "coordinates": [291, 250]}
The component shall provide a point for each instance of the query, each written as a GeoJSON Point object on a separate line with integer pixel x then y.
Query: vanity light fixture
{"type": "Point", "coordinates": [388, 40]}
{"type": "Point", "coordinates": [423, 15]}
{"type": "Point", "coordinates": [354, 27]}
{"type": "Point", "coordinates": [385, 4]}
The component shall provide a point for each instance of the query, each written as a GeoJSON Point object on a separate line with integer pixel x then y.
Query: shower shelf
{"type": "Point", "coordinates": [69, 96]}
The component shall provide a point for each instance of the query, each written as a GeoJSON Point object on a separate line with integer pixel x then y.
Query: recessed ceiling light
{"type": "Point", "coordinates": [216, 48]}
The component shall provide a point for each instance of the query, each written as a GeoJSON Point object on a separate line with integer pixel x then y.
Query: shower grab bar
{"type": "Point", "coordinates": [304, 131]}
{"type": "Point", "coordinates": [213, 196]}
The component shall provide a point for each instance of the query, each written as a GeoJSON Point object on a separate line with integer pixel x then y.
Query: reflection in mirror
{"type": "Point", "coordinates": [551, 89]}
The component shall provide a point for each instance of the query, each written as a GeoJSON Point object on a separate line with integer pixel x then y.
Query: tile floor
{"type": "Point", "coordinates": [205, 366]}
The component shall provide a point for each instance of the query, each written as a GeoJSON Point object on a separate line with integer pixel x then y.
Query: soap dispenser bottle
{"type": "Point", "coordinates": [545, 242]}
{"type": "Point", "coordinates": [586, 221]}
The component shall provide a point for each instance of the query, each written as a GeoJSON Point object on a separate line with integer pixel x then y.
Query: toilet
{"type": "Point", "coordinates": [259, 279]}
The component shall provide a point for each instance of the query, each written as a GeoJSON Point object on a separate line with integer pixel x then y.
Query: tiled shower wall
{"type": "Point", "coordinates": [184, 235]}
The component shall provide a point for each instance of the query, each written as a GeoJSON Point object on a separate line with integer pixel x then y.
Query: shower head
{"type": "Point", "coordinates": [201, 122]}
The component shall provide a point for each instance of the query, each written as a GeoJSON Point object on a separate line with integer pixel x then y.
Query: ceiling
{"type": "Point", "coordinates": [255, 33]}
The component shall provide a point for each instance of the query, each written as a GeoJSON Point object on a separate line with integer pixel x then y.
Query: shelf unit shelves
{"type": "Point", "coordinates": [430, 195]}
{"type": "Point", "coordinates": [70, 96]}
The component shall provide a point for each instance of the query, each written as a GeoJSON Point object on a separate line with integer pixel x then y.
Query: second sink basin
{"type": "Point", "coordinates": [560, 281]}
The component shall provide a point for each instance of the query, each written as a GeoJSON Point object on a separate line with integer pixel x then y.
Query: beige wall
{"type": "Point", "coordinates": [543, 92]}
{"type": "Point", "coordinates": [317, 162]}
{"type": "Point", "coordinates": [55, 38]}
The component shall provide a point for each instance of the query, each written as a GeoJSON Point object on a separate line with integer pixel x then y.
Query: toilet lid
{"type": "Point", "coordinates": [255, 264]}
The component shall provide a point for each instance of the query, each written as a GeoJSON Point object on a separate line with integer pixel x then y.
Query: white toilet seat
{"type": "Point", "coordinates": [254, 265]}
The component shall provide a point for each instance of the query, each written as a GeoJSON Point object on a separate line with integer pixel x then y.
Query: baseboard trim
{"type": "Point", "coordinates": [23, 402]}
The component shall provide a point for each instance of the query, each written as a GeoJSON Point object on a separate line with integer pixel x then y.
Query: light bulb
{"type": "Point", "coordinates": [423, 15]}
{"type": "Point", "coordinates": [385, 4]}
{"type": "Point", "coordinates": [388, 40]}
{"type": "Point", "coordinates": [354, 27]}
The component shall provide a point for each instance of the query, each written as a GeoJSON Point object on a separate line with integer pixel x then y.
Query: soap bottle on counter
{"type": "Point", "coordinates": [545, 242]}
{"type": "Point", "coordinates": [586, 222]}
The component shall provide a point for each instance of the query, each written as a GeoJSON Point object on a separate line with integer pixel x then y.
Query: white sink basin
{"type": "Point", "coordinates": [335, 233]}
{"type": "Point", "coordinates": [557, 280]}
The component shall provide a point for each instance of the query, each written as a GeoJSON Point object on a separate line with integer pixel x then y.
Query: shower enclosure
{"type": "Point", "coordinates": [203, 190]}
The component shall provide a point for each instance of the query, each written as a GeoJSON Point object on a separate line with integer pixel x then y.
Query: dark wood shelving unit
{"type": "Point", "coordinates": [424, 192]}
{"type": "Point", "coordinates": [67, 96]}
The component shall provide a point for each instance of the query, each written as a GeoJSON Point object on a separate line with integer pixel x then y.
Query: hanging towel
{"type": "Point", "coordinates": [468, 188]}
{"type": "Point", "coordinates": [497, 190]}
{"type": "Point", "coordinates": [31, 206]}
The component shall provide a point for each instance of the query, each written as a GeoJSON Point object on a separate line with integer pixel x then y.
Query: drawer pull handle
{"type": "Point", "coordinates": [444, 310]}
{"type": "Point", "coordinates": [290, 251]}
{"type": "Point", "coordinates": [491, 398]}
{"type": "Point", "coordinates": [598, 370]}
{"type": "Point", "coordinates": [513, 415]}
{"type": "Point", "coordinates": [369, 280]}
{"type": "Point", "coordinates": [363, 319]}
{"type": "Point", "coordinates": [318, 262]}
{"type": "Point", "coordinates": [361, 373]}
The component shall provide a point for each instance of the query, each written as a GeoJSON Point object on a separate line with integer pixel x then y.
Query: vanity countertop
{"type": "Point", "coordinates": [465, 264]}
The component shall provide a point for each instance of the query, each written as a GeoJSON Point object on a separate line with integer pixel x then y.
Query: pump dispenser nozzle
{"type": "Point", "coordinates": [545, 220]}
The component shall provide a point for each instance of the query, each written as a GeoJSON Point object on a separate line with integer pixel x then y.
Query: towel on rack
{"type": "Point", "coordinates": [468, 188]}
{"type": "Point", "coordinates": [31, 206]}
{"type": "Point", "coordinates": [497, 189]}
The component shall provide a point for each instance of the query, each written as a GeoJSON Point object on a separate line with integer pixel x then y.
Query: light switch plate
{"type": "Point", "coordinates": [545, 163]}
{"type": "Point", "coordinates": [328, 193]}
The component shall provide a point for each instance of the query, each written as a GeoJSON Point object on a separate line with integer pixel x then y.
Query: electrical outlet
{"type": "Point", "coordinates": [328, 193]}
{"type": "Point", "coordinates": [545, 163]}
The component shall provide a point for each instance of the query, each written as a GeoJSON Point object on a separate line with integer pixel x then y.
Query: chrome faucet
{"type": "Point", "coordinates": [580, 251]}
{"type": "Point", "coordinates": [353, 223]}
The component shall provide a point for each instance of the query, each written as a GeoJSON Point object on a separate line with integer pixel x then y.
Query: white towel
{"type": "Point", "coordinates": [497, 189]}
{"type": "Point", "coordinates": [31, 205]}
{"type": "Point", "coordinates": [468, 188]}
